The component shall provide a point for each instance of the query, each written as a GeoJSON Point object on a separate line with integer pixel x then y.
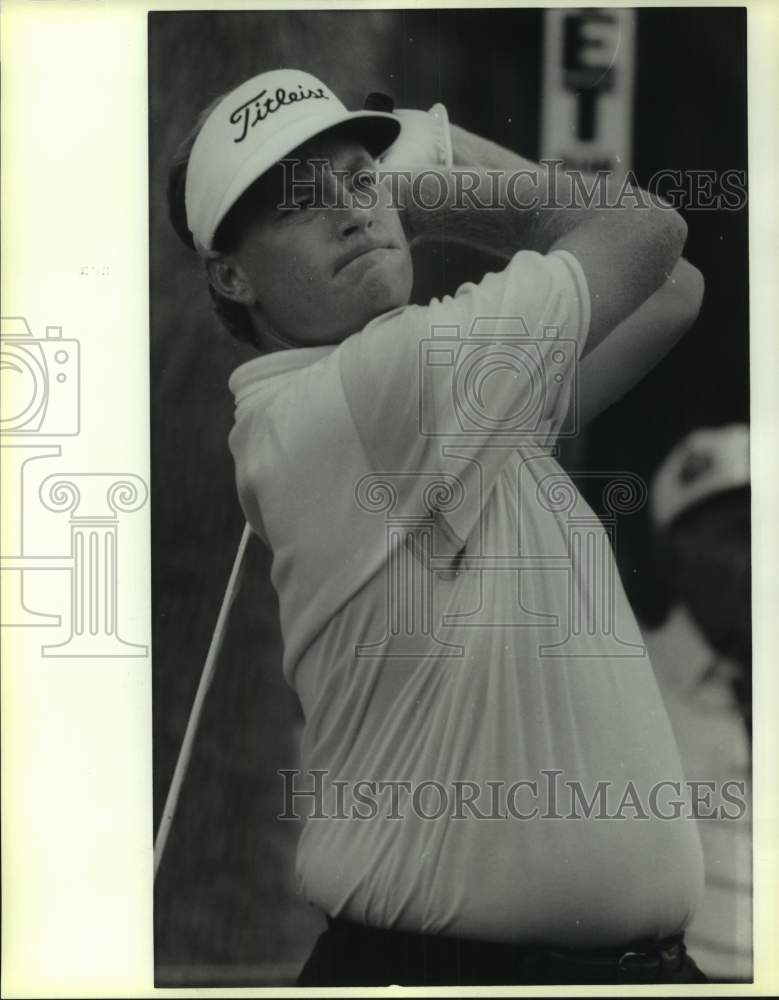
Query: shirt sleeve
{"type": "Point", "coordinates": [450, 389]}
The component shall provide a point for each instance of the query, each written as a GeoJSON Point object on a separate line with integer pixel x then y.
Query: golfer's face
{"type": "Point", "coordinates": [332, 254]}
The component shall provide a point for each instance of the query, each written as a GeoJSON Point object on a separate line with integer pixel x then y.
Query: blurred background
{"type": "Point", "coordinates": [226, 909]}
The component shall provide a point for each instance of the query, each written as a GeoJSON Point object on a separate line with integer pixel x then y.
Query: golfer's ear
{"type": "Point", "coordinates": [229, 279]}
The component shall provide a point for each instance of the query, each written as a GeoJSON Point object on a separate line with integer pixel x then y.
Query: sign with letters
{"type": "Point", "coordinates": [587, 92]}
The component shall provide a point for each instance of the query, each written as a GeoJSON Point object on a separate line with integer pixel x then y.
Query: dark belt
{"type": "Point", "coordinates": [639, 961]}
{"type": "Point", "coordinates": [644, 959]}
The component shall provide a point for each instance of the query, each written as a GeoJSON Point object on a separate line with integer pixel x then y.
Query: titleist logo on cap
{"type": "Point", "coordinates": [257, 108]}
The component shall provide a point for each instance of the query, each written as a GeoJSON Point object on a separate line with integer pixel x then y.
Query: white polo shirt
{"type": "Point", "coordinates": [451, 614]}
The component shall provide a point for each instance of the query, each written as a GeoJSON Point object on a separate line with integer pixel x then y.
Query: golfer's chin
{"type": "Point", "coordinates": [376, 295]}
{"type": "Point", "coordinates": [384, 287]}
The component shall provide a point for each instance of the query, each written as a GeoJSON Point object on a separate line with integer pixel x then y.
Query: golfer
{"type": "Point", "coordinates": [465, 693]}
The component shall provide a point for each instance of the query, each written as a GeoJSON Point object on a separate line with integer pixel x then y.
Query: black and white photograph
{"type": "Point", "coordinates": [450, 497]}
{"type": "Point", "coordinates": [388, 428]}
{"type": "Point", "coordinates": [476, 702]}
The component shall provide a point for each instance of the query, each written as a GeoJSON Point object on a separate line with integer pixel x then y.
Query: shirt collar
{"type": "Point", "coordinates": [247, 376]}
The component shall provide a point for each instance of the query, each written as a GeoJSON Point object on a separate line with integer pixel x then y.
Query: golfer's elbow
{"type": "Point", "coordinates": [677, 229]}
{"type": "Point", "coordinates": [668, 236]}
{"type": "Point", "coordinates": [678, 234]}
{"type": "Point", "coordinates": [675, 307]}
{"type": "Point", "coordinates": [687, 286]}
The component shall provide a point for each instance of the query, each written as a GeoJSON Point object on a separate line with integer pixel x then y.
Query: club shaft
{"type": "Point", "coordinates": [206, 677]}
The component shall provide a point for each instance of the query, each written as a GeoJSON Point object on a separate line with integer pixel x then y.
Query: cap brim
{"type": "Point", "coordinates": [376, 129]}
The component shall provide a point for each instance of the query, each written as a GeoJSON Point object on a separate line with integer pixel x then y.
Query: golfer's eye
{"type": "Point", "coordinates": [297, 198]}
{"type": "Point", "coordinates": [303, 201]}
{"type": "Point", "coordinates": [364, 178]}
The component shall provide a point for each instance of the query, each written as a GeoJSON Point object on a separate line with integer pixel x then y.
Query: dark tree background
{"type": "Point", "coordinates": [225, 908]}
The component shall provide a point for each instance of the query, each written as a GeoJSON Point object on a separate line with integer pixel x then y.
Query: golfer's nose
{"type": "Point", "coordinates": [355, 209]}
{"type": "Point", "coordinates": [354, 218]}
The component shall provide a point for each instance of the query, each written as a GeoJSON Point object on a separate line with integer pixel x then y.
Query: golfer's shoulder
{"type": "Point", "coordinates": [529, 282]}
{"type": "Point", "coordinates": [530, 285]}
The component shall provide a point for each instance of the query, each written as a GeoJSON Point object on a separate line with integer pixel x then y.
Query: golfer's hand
{"type": "Point", "coordinates": [425, 140]}
{"type": "Point", "coordinates": [400, 190]}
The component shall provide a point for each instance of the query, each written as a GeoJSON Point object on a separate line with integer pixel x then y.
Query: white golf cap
{"type": "Point", "coordinates": [709, 461]}
{"type": "Point", "coordinates": [255, 126]}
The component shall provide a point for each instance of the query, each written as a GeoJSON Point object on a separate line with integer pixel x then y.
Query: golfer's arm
{"type": "Point", "coordinates": [639, 342]}
{"type": "Point", "coordinates": [470, 150]}
{"type": "Point", "coordinates": [506, 204]}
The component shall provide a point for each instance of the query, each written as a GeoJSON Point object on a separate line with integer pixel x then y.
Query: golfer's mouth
{"type": "Point", "coordinates": [365, 253]}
